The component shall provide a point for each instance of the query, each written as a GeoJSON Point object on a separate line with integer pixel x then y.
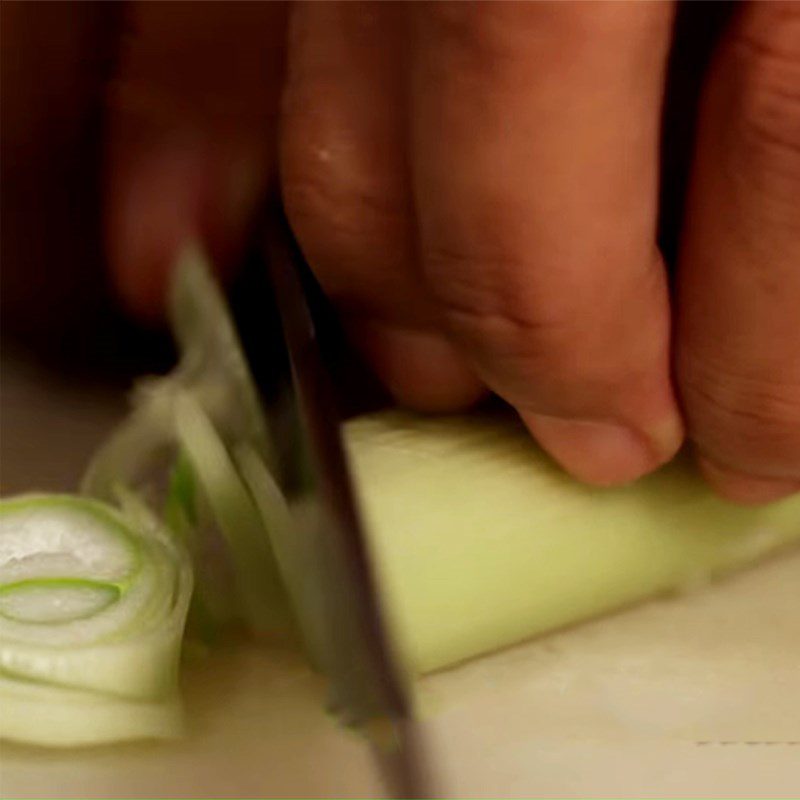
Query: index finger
{"type": "Point", "coordinates": [535, 140]}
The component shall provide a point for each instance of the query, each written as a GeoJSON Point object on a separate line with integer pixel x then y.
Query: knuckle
{"type": "Point", "coordinates": [752, 423]}
{"type": "Point", "coordinates": [537, 333]}
{"type": "Point", "coordinates": [356, 236]}
{"type": "Point", "coordinates": [313, 195]}
{"type": "Point", "coordinates": [490, 305]}
{"type": "Point", "coordinates": [335, 216]}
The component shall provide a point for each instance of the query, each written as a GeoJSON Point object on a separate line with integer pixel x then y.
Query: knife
{"type": "Point", "coordinates": [368, 690]}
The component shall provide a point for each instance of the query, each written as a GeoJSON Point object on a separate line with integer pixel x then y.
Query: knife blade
{"type": "Point", "coordinates": [368, 689]}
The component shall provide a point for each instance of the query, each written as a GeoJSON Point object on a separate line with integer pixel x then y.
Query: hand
{"type": "Point", "coordinates": [476, 187]}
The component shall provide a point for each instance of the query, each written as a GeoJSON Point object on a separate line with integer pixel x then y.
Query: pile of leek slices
{"type": "Point", "coordinates": [95, 589]}
{"type": "Point", "coordinates": [478, 539]}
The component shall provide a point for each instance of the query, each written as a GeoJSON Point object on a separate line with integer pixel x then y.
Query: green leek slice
{"type": "Point", "coordinates": [261, 595]}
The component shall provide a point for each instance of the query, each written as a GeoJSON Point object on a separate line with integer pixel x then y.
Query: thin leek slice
{"type": "Point", "coordinates": [187, 515]}
{"type": "Point", "coordinates": [174, 447]}
{"type": "Point", "coordinates": [481, 541]}
{"type": "Point", "coordinates": [180, 508]}
{"type": "Point", "coordinates": [212, 368]}
{"type": "Point", "coordinates": [258, 583]}
{"type": "Point", "coordinates": [213, 365]}
{"type": "Point", "coordinates": [289, 535]}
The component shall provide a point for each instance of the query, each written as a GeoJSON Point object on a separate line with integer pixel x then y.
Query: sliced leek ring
{"type": "Point", "coordinates": [92, 608]}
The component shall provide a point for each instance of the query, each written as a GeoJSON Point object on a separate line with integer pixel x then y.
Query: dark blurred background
{"type": "Point", "coordinates": [56, 302]}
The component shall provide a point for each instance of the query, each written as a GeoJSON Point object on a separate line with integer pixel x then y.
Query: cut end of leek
{"type": "Point", "coordinates": [92, 609]}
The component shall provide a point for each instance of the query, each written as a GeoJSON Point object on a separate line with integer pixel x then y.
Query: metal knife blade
{"type": "Point", "coordinates": [368, 689]}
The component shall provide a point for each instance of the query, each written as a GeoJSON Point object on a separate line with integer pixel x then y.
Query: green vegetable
{"type": "Point", "coordinates": [262, 600]}
{"type": "Point", "coordinates": [92, 608]}
{"type": "Point", "coordinates": [482, 542]}
{"type": "Point", "coordinates": [212, 369]}
{"type": "Point", "coordinates": [174, 450]}
{"type": "Point", "coordinates": [479, 541]}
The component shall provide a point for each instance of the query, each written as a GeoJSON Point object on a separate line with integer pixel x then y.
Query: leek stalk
{"type": "Point", "coordinates": [481, 541]}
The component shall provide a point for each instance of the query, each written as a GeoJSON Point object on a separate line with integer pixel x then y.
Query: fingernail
{"type": "Point", "coordinates": [600, 453]}
{"type": "Point", "coordinates": [745, 489]}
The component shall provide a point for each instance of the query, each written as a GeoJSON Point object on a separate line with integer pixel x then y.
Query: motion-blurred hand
{"type": "Point", "coordinates": [476, 187]}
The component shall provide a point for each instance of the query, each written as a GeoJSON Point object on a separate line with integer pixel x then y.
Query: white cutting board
{"type": "Point", "coordinates": [689, 696]}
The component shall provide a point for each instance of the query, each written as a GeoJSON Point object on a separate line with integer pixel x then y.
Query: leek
{"type": "Point", "coordinates": [212, 368]}
{"type": "Point", "coordinates": [481, 541]}
{"type": "Point", "coordinates": [174, 450]}
{"type": "Point", "coordinates": [92, 608]}
{"type": "Point", "coordinates": [478, 539]}
{"type": "Point", "coordinates": [262, 600]}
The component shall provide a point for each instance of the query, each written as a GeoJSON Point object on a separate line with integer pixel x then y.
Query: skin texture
{"type": "Point", "coordinates": [477, 189]}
